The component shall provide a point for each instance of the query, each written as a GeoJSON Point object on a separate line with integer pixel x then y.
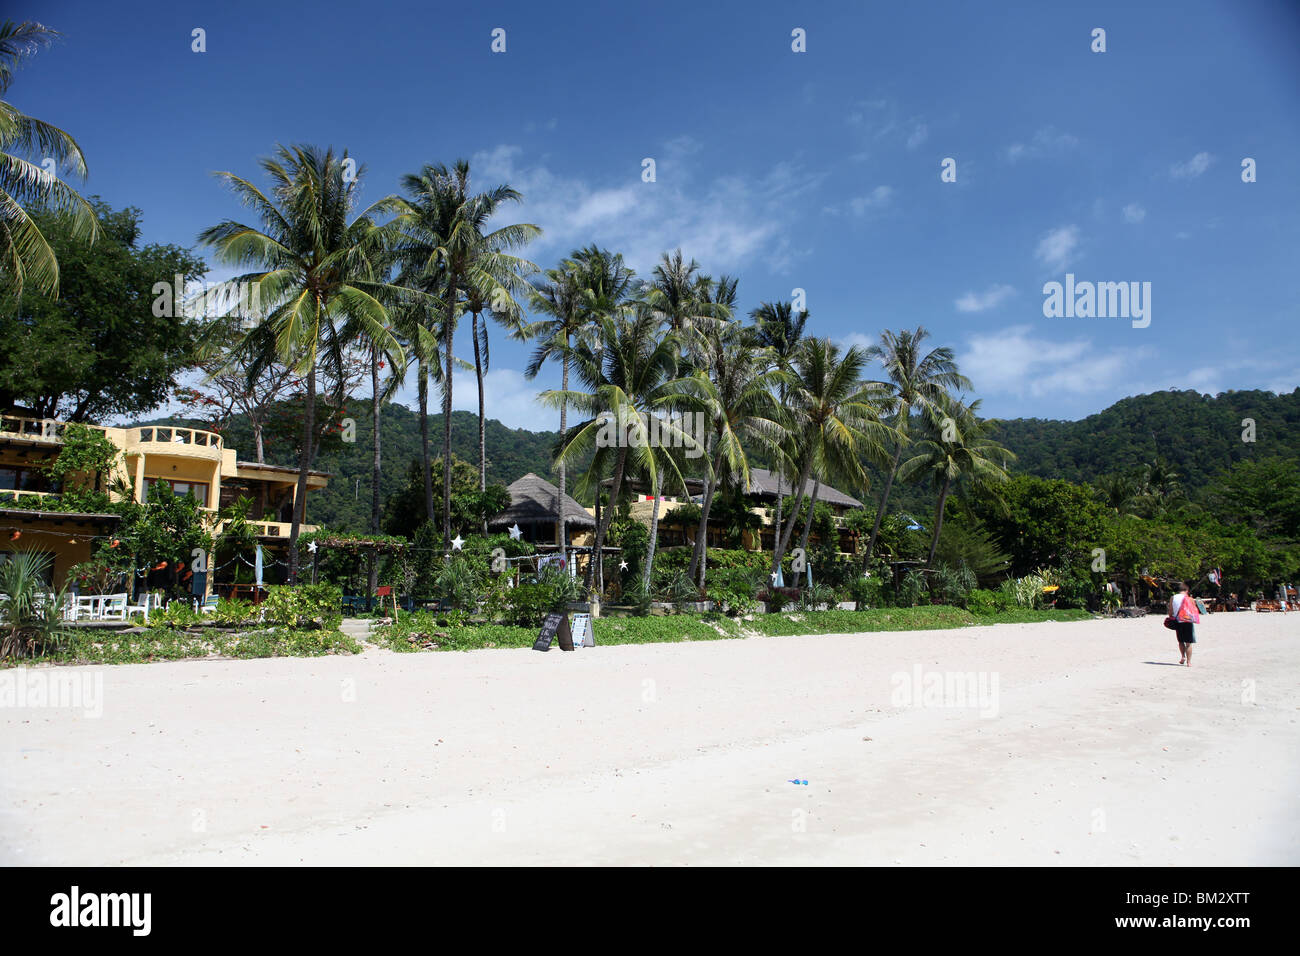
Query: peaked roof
{"type": "Point", "coordinates": [764, 482]}
{"type": "Point", "coordinates": [532, 499]}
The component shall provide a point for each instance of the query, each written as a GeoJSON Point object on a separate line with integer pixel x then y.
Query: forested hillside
{"type": "Point", "coordinates": [1198, 435]}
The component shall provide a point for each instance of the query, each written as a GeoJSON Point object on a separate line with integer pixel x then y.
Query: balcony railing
{"type": "Point", "coordinates": [29, 500]}
{"type": "Point", "coordinates": [37, 429]}
{"type": "Point", "coordinates": [268, 529]}
{"type": "Point", "coordinates": [172, 435]}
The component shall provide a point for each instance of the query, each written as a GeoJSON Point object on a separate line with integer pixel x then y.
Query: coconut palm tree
{"type": "Point", "coordinates": [629, 385]}
{"type": "Point", "coordinates": [1159, 486]}
{"type": "Point", "coordinates": [505, 311]}
{"type": "Point", "coordinates": [445, 250]}
{"type": "Point", "coordinates": [415, 323]}
{"type": "Point", "coordinates": [590, 284]}
{"type": "Point", "coordinates": [919, 381]}
{"type": "Point", "coordinates": [780, 330]}
{"type": "Point", "coordinates": [25, 256]}
{"type": "Point", "coordinates": [739, 384]}
{"type": "Point", "coordinates": [1117, 492]}
{"type": "Point", "coordinates": [688, 304]}
{"type": "Point", "coordinates": [958, 449]}
{"type": "Point", "coordinates": [834, 417]}
{"type": "Point", "coordinates": [384, 381]}
{"type": "Point", "coordinates": [322, 278]}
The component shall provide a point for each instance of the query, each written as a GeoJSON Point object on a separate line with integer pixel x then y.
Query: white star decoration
{"type": "Point", "coordinates": [773, 577]}
{"type": "Point", "coordinates": [312, 547]}
{"type": "Point", "coordinates": [622, 565]}
{"type": "Point", "coordinates": [457, 543]}
{"type": "Point", "coordinates": [515, 531]}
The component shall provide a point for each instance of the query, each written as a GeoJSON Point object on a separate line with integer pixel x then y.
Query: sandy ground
{"type": "Point", "coordinates": [1096, 749]}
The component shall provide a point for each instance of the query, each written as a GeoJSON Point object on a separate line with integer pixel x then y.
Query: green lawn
{"type": "Point", "coordinates": [167, 644]}
{"type": "Point", "coordinates": [690, 627]}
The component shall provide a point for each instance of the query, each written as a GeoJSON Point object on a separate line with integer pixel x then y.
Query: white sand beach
{"type": "Point", "coordinates": [1102, 751]}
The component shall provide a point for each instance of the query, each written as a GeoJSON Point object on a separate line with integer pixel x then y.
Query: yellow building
{"type": "Point", "coordinates": [190, 460]}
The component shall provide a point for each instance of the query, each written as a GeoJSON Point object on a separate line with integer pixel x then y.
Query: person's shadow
{"type": "Point", "coordinates": [1161, 663]}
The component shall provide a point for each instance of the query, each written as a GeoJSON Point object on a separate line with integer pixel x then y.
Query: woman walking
{"type": "Point", "coordinates": [1182, 608]}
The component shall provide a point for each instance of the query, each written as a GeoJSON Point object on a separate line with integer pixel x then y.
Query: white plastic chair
{"type": "Point", "coordinates": [114, 607]}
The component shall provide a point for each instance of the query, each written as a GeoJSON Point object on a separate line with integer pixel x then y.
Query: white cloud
{"type": "Point", "coordinates": [1192, 168]}
{"type": "Point", "coordinates": [1056, 249]}
{"type": "Point", "coordinates": [1039, 362]}
{"type": "Point", "coordinates": [874, 201]}
{"type": "Point", "coordinates": [882, 121]}
{"type": "Point", "coordinates": [1134, 213]}
{"type": "Point", "coordinates": [878, 198]}
{"type": "Point", "coordinates": [991, 297]}
{"type": "Point", "coordinates": [860, 339]}
{"type": "Point", "coordinates": [1017, 361]}
{"type": "Point", "coordinates": [1045, 142]}
{"type": "Point", "coordinates": [725, 224]}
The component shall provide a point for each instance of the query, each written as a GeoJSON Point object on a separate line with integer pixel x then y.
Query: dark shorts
{"type": "Point", "coordinates": [1186, 632]}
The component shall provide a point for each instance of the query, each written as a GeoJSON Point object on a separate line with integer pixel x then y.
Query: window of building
{"type": "Point", "coordinates": [195, 489]}
{"type": "Point", "coordinates": [23, 478]}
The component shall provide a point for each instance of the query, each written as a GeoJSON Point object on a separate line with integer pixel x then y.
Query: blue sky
{"type": "Point", "coordinates": [817, 170]}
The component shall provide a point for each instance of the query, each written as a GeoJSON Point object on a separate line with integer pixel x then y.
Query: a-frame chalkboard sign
{"type": "Point", "coordinates": [555, 626]}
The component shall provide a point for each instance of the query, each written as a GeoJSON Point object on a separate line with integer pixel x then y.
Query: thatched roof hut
{"type": "Point", "coordinates": [535, 506]}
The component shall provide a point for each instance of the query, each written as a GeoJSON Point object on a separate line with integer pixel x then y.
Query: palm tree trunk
{"type": "Point", "coordinates": [482, 434]}
{"type": "Point", "coordinates": [595, 565]}
{"type": "Point", "coordinates": [449, 335]}
{"type": "Point", "coordinates": [375, 465]}
{"type": "Point", "coordinates": [424, 439]}
{"type": "Point", "coordinates": [654, 532]}
{"type": "Point", "coordinates": [700, 557]}
{"type": "Point", "coordinates": [938, 521]}
{"type": "Point", "coordinates": [784, 539]}
{"type": "Point", "coordinates": [880, 512]}
{"type": "Point", "coordinates": [812, 506]}
{"type": "Point", "coordinates": [562, 533]}
{"type": "Point", "coordinates": [304, 464]}
{"type": "Point", "coordinates": [776, 529]}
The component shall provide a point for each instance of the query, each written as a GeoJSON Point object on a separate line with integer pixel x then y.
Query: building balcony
{"type": "Point", "coordinates": [171, 440]}
{"type": "Point", "coordinates": [29, 499]}
{"type": "Point", "coordinates": [45, 430]}
{"type": "Point", "coordinates": [267, 529]}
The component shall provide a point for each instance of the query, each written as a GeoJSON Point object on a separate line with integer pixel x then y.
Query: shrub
{"type": "Point", "coordinates": [679, 588]}
{"type": "Point", "coordinates": [30, 621]}
{"type": "Point", "coordinates": [817, 597]}
{"type": "Point", "coordinates": [97, 576]}
{"type": "Point", "coordinates": [869, 592]}
{"type": "Point", "coordinates": [735, 588]}
{"type": "Point", "coordinates": [232, 613]}
{"type": "Point", "coordinates": [951, 585]}
{"type": "Point", "coordinates": [983, 601]}
{"type": "Point", "coordinates": [911, 590]}
{"type": "Point", "coordinates": [304, 605]}
{"type": "Point", "coordinates": [529, 603]}
{"type": "Point", "coordinates": [177, 614]}
{"type": "Point", "coordinates": [456, 583]}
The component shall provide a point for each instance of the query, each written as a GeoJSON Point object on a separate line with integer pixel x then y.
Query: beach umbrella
{"type": "Point", "coordinates": [257, 566]}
